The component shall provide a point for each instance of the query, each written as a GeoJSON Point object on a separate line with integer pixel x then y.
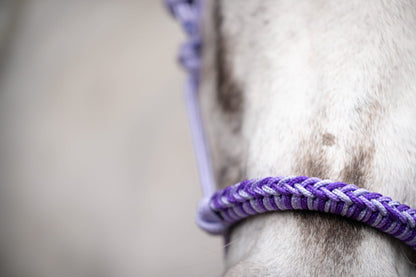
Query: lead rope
{"type": "Point", "coordinates": [188, 13]}
{"type": "Point", "coordinates": [217, 211]}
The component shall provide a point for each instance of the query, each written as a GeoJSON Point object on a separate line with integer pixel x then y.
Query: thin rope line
{"type": "Point", "coordinates": [187, 12]}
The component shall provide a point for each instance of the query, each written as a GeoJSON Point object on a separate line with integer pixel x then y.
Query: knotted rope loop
{"type": "Point", "coordinates": [187, 13]}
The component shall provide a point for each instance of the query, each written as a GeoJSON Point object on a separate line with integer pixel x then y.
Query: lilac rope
{"type": "Point", "coordinates": [217, 211]}
{"type": "Point", "coordinates": [188, 12]}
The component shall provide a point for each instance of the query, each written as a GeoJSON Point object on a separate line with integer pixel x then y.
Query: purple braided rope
{"type": "Point", "coordinates": [258, 196]}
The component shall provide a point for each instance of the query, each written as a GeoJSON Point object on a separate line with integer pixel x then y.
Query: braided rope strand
{"type": "Point", "coordinates": [257, 196]}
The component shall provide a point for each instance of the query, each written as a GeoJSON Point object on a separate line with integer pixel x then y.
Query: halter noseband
{"type": "Point", "coordinates": [218, 210]}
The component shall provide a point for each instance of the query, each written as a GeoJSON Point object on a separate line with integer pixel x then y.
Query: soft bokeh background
{"type": "Point", "coordinates": [97, 174]}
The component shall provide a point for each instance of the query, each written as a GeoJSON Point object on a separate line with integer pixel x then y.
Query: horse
{"type": "Point", "coordinates": [316, 88]}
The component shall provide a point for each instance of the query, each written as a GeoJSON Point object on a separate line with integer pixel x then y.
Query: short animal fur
{"type": "Point", "coordinates": [317, 88]}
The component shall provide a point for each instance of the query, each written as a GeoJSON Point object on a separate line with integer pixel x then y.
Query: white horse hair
{"type": "Point", "coordinates": [317, 88]}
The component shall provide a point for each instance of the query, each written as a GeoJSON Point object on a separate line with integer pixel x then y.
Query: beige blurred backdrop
{"type": "Point", "coordinates": [97, 173]}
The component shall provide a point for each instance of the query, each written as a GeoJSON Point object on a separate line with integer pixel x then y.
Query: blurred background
{"type": "Point", "coordinates": [97, 173]}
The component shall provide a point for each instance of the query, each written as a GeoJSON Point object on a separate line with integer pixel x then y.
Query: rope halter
{"type": "Point", "coordinates": [218, 210]}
